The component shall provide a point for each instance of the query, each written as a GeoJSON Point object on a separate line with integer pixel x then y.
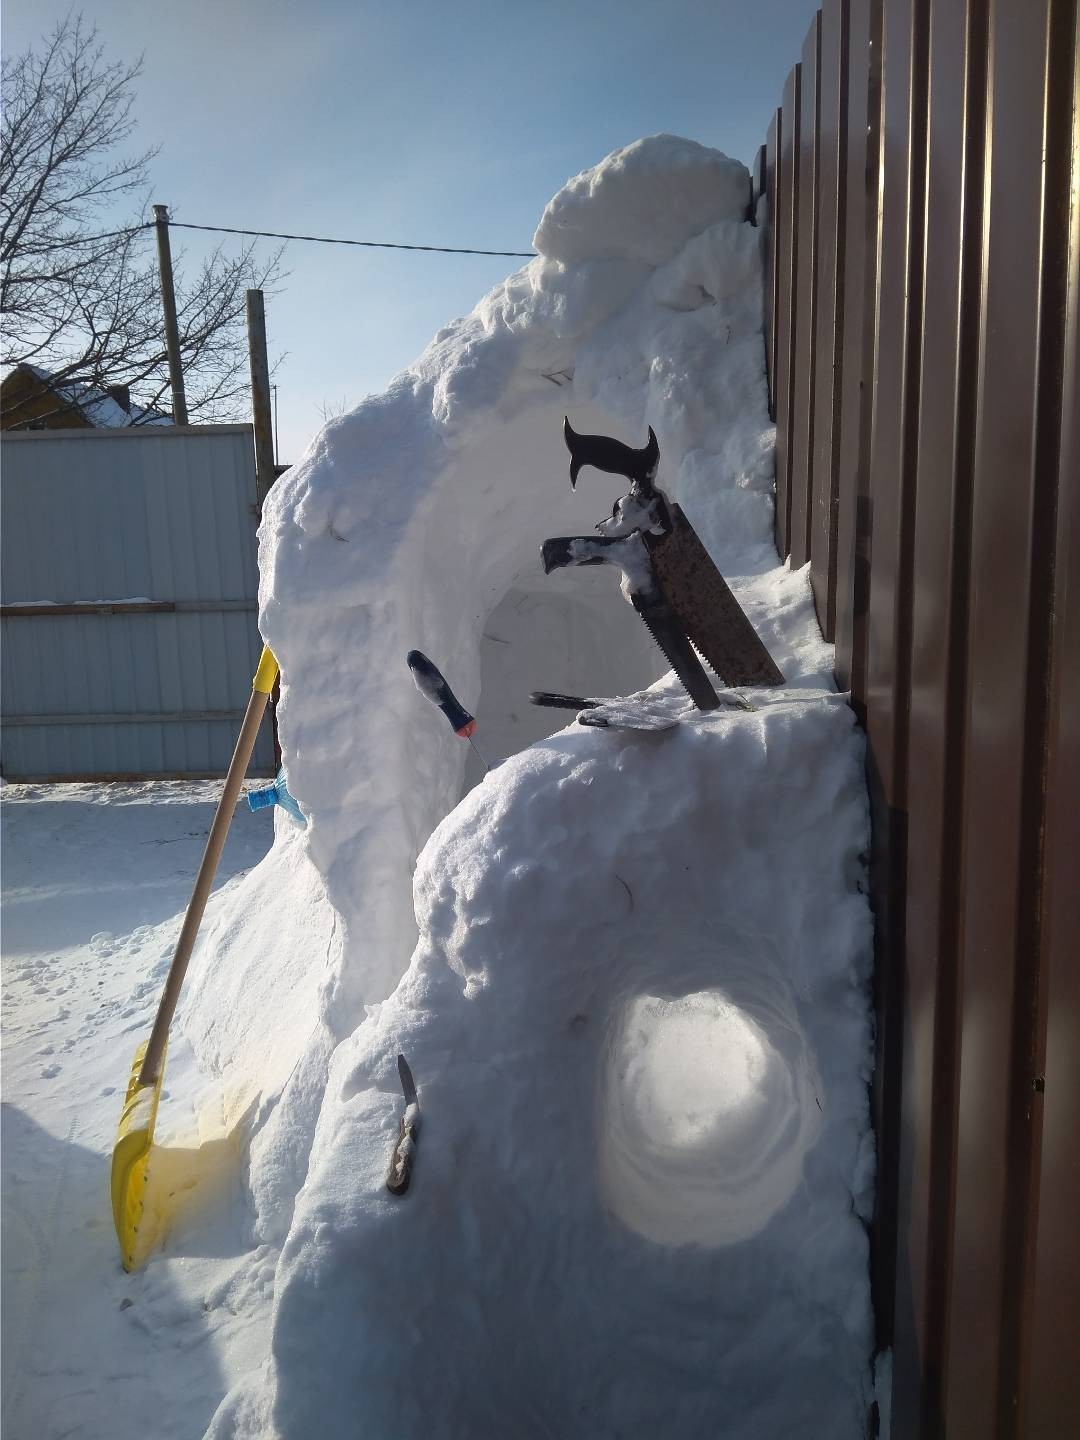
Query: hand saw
{"type": "Point", "coordinates": [668, 575]}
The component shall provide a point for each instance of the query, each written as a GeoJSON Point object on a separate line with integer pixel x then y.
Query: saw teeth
{"type": "Point", "coordinates": [698, 687]}
{"type": "Point", "coordinates": [675, 666]}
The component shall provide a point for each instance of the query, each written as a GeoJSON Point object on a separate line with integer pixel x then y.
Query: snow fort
{"type": "Point", "coordinates": [629, 971]}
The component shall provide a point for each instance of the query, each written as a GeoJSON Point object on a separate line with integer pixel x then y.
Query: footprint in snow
{"type": "Point", "coordinates": [50, 1072]}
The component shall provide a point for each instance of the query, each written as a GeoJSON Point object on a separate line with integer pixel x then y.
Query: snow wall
{"type": "Point", "coordinates": [636, 1005]}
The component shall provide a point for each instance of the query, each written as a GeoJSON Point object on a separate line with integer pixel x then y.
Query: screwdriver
{"type": "Point", "coordinates": [431, 682]}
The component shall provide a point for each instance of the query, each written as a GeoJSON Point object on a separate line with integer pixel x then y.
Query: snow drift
{"type": "Point", "coordinates": [631, 1016]}
{"type": "Point", "coordinates": [636, 1003]}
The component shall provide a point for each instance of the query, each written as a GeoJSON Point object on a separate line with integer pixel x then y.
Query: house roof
{"type": "Point", "coordinates": [99, 407]}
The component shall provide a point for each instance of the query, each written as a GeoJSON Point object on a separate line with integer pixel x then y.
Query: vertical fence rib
{"type": "Point", "coordinates": [951, 243]}
{"type": "Point", "coordinates": [829, 307]}
{"type": "Point", "coordinates": [1011, 574]}
{"type": "Point", "coordinates": [892, 464]}
{"type": "Point", "coordinates": [1047, 589]}
{"type": "Point", "coordinates": [858, 345]}
{"type": "Point", "coordinates": [772, 268]}
{"type": "Point", "coordinates": [787, 249]}
{"type": "Point", "coordinates": [802, 418]}
{"type": "Point", "coordinates": [1053, 1383]}
{"type": "Point", "coordinates": [757, 182]}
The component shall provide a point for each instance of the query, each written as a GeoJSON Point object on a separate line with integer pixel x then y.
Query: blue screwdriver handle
{"type": "Point", "coordinates": [431, 682]}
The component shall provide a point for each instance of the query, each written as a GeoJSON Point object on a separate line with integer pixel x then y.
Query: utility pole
{"type": "Point", "coordinates": [168, 305]}
{"type": "Point", "coordinates": [265, 471]}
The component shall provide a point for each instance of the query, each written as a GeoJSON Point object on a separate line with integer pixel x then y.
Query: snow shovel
{"type": "Point", "coordinates": [131, 1153]}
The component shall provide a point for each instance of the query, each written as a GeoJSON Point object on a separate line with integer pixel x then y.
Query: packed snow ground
{"type": "Point", "coordinates": [630, 972]}
{"type": "Point", "coordinates": [95, 879]}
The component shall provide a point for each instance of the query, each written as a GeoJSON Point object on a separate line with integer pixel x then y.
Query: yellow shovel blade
{"type": "Point", "coordinates": [131, 1156]}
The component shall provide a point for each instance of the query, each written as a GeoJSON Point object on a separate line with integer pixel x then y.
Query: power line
{"type": "Point", "coordinates": [32, 248]}
{"type": "Point", "coordinates": [367, 244]}
{"type": "Point", "coordinates": [279, 235]}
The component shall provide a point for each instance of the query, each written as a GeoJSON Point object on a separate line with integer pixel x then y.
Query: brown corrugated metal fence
{"type": "Point", "coordinates": [923, 263]}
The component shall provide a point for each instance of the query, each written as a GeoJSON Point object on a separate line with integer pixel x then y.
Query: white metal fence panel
{"type": "Point", "coordinates": [129, 587]}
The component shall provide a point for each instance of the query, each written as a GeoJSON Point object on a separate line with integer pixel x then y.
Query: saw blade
{"type": "Point", "coordinates": [661, 623]}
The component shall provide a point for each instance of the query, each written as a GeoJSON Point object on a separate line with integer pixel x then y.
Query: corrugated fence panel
{"type": "Point", "coordinates": [142, 509]}
{"type": "Point", "coordinates": [829, 308]}
{"type": "Point", "coordinates": [944, 377]}
{"type": "Point", "coordinates": [802, 416]}
{"type": "Point", "coordinates": [164, 516]}
{"type": "Point", "coordinates": [787, 250]}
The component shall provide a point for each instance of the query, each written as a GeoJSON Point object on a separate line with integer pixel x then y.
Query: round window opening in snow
{"type": "Point", "coordinates": [707, 1110]}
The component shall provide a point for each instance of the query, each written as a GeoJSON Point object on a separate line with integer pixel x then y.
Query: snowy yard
{"type": "Point", "coordinates": [95, 880]}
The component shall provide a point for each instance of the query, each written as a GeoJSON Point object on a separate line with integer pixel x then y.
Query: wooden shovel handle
{"type": "Point", "coordinates": [261, 686]}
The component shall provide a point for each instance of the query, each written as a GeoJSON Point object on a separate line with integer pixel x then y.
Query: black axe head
{"type": "Point", "coordinates": [639, 466]}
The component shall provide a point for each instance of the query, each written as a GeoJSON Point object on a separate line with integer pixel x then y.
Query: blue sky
{"type": "Point", "coordinates": [431, 123]}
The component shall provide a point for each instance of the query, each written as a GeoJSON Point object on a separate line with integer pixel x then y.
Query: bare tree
{"type": "Point", "coordinates": [81, 304]}
{"type": "Point", "coordinates": [332, 409]}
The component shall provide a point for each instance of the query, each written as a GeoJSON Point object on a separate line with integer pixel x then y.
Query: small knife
{"type": "Point", "coordinates": [401, 1162]}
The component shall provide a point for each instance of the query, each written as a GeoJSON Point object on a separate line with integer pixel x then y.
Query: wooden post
{"type": "Point", "coordinates": [168, 305]}
{"type": "Point", "coordinates": [262, 423]}
{"type": "Point", "coordinates": [261, 417]}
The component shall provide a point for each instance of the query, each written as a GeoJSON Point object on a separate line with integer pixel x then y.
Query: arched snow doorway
{"type": "Point", "coordinates": [569, 631]}
{"type": "Point", "coordinates": [491, 619]}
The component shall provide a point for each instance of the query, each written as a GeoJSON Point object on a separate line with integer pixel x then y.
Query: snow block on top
{"type": "Point", "coordinates": [643, 202]}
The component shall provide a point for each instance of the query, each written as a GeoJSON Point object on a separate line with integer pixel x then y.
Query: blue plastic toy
{"type": "Point", "coordinates": [276, 794]}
